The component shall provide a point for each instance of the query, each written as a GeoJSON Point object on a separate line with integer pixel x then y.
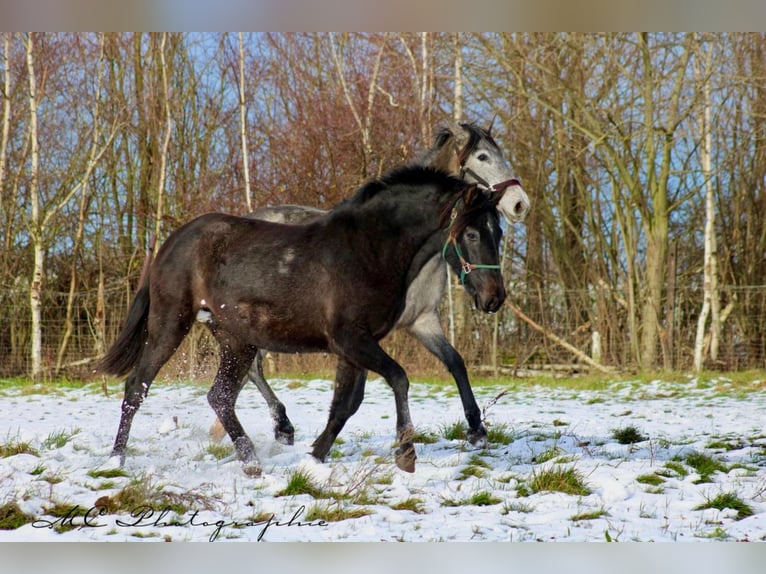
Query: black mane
{"type": "Point", "coordinates": [407, 175]}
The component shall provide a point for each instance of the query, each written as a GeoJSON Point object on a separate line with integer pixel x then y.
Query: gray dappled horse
{"type": "Point", "coordinates": [301, 288]}
{"type": "Point", "coordinates": [463, 150]}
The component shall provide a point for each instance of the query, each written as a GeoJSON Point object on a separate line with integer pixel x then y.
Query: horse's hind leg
{"type": "Point", "coordinates": [347, 396]}
{"type": "Point", "coordinates": [427, 329]}
{"type": "Point", "coordinates": [158, 349]}
{"type": "Point", "coordinates": [222, 397]}
{"type": "Point", "coordinates": [283, 428]}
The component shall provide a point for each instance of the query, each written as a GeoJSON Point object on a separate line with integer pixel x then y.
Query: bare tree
{"type": "Point", "coordinates": [243, 124]}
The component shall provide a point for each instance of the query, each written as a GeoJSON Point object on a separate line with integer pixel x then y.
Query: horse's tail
{"type": "Point", "coordinates": [126, 350]}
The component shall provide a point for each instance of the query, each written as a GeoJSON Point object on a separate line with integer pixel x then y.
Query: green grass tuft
{"type": "Point", "coordinates": [705, 465]}
{"type": "Point", "coordinates": [650, 479]}
{"type": "Point", "coordinates": [412, 504]}
{"type": "Point", "coordinates": [107, 473]}
{"type": "Point", "coordinates": [728, 500]}
{"type": "Point", "coordinates": [628, 435]}
{"type": "Point", "coordinates": [558, 479]}
{"type": "Point", "coordinates": [59, 439]}
{"type": "Point", "coordinates": [12, 517]}
{"type": "Point", "coordinates": [301, 482]}
{"type": "Point", "coordinates": [334, 512]}
{"type": "Point", "coordinates": [455, 431]}
{"type": "Point", "coordinates": [12, 448]}
{"type": "Point", "coordinates": [481, 498]}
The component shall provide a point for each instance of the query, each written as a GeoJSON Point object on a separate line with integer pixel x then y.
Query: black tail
{"type": "Point", "coordinates": [126, 350]}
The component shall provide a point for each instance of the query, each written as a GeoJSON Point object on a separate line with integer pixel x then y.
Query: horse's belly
{"type": "Point", "coordinates": [279, 330]}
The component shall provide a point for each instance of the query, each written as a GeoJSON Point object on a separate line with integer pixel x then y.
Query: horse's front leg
{"type": "Point", "coordinates": [428, 330]}
{"type": "Point", "coordinates": [347, 396]}
{"type": "Point", "coordinates": [362, 349]}
{"type": "Point", "coordinates": [222, 397]}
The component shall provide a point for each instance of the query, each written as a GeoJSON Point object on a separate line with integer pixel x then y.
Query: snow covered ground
{"type": "Point", "coordinates": [645, 491]}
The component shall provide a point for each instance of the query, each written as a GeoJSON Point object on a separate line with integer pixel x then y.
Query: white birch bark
{"type": "Point", "coordinates": [710, 300]}
{"type": "Point", "coordinates": [166, 140]}
{"type": "Point", "coordinates": [37, 225]}
{"type": "Point", "coordinates": [243, 125]}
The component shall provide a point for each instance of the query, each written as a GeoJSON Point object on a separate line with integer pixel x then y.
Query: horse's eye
{"type": "Point", "coordinates": [482, 157]}
{"type": "Point", "coordinates": [472, 236]}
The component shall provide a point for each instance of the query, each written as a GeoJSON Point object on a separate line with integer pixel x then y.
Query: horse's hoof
{"type": "Point", "coordinates": [405, 457]}
{"type": "Point", "coordinates": [478, 437]}
{"type": "Point", "coordinates": [286, 438]}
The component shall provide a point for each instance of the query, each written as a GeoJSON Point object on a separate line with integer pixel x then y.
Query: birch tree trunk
{"type": "Point", "coordinates": [243, 125]}
{"type": "Point", "coordinates": [711, 300]}
{"type": "Point", "coordinates": [166, 140]}
{"type": "Point", "coordinates": [36, 224]}
{"type": "Point", "coordinates": [6, 111]}
{"type": "Point", "coordinates": [457, 114]}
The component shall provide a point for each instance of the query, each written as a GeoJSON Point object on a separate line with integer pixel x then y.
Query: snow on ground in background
{"type": "Point", "coordinates": [169, 441]}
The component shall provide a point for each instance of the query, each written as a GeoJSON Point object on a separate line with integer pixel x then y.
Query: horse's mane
{"type": "Point", "coordinates": [407, 175]}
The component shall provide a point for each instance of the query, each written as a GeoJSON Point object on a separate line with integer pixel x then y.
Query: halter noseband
{"type": "Point", "coordinates": [465, 266]}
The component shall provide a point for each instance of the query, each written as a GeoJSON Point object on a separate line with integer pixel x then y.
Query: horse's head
{"type": "Point", "coordinates": [473, 246]}
{"type": "Point", "coordinates": [476, 158]}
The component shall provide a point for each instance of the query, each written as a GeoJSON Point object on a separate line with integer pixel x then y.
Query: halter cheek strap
{"type": "Point", "coordinates": [465, 266]}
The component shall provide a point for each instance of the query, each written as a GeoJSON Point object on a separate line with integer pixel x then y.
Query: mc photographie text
{"type": "Point", "coordinates": [147, 517]}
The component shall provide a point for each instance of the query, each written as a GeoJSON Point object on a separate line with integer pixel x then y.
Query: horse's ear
{"type": "Point", "coordinates": [470, 193]}
{"type": "Point", "coordinates": [459, 133]}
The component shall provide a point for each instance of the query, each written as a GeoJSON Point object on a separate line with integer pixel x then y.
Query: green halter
{"type": "Point", "coordinates": [465, 266]}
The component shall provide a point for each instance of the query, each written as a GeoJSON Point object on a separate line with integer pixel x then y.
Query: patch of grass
{"type": "Point", "coordinates": [301, 482]}
{"type": "Point", "coordinates": [628, 435]}
{"type": "Point", "coordinates": [14, 447]}
{"type": "Point", "coordinates": [717, 533]}
{"type": "Point", "coordinates": [334, 512]}
{"type": "Point", "coordinates": [476, 466]}
{"type": "Point", "coordinates": [548, 455]}
{"type": "Point", "coordinates": [471, 471]}
{"type": "Point", "coordinates": [107, 473]}
{"type": "Point", "coordinates": [590, 515]}
{"type": "Point", "coordinates": [481, 498]}
{"type": "Point", "coordinates": [674, 467]}
{"type": "Point", "coordinates": [143, 492]}
{"type": "Point", "coordinates": [517, 506]}
{"type": "Point", "coordinates": [725, 445]}
{"type": "Point", "coordinates": [12, 517]}
{"type": "Point", "coordinates": [500, 434]}
{"type": "Point", "coordinates": [705, 465]}
{"type": "Point", "coordinates": [220, 451]}
{"type": "Point", "coordinates": [412, 504]}
{"type": "Point", "coordinates": [59, 439]}
{"type": "Point", "coordinates": [653, 479]}
{"type": "Point", "coordinates": [558, 479]}
{"type": "Point", "coordinates": [455, 431]}
{"type": "Point", "coordinates": [425, 437]}
{"type": "Point", "coordinates": [728, 500]}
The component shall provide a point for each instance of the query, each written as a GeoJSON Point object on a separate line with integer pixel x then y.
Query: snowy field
{"type": "Point", "coordinates": [647, 490]}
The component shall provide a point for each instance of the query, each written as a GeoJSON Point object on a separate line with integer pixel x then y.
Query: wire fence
{"type": "Point", "coordinates": [556, 333]}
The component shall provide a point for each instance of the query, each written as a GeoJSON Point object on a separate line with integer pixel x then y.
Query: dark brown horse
{"type": "Point", "coordinates": [463, 150]}
{"type": "Point", "coordinates": [336, 285]}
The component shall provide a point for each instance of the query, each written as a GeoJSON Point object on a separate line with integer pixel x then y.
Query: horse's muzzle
{"type": "Point", "coordinates": [489, 300]}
